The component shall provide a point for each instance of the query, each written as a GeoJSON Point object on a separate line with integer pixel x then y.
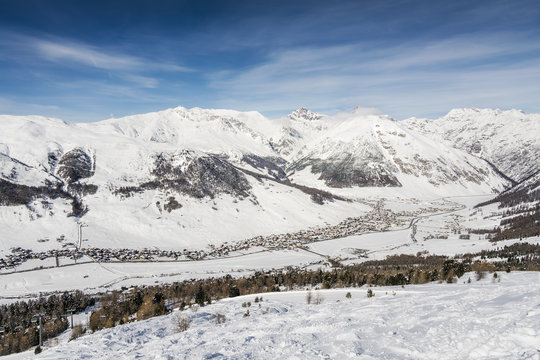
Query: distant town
{"type": "Point", "coordinates": [377, 220]}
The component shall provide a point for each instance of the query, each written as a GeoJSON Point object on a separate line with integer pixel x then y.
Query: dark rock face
{"type": "Point", "coordinates": [348, 171]}
{"type": "Point", "coordinates": [339, 174]}
{"type": "Point", "coordinates": [203, 176]}
{"type": "Point", "coordinates": [171, 204]}
{"type": "Point", "coordinates": [52, 159]}
{"type": "Point", "coordinates": [272, 165]}
{"type": "Point", "coordinates": [17, 194]}
{"type": "Point", "coordinates": [75, 165]}
{"type": "Point", "coordinates": [193, 175]}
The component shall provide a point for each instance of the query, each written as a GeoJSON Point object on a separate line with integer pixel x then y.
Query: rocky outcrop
{"type": "Point", "coordinates": [193, 174]}
{"type": "Point", "coordinates": [273, 166]}
{"type": "Point", "coordinates": [348, 171]}
{"type": "Point", "coordinates": [74, 165]}
{"type": "Point", "coordinates": [303, 114]}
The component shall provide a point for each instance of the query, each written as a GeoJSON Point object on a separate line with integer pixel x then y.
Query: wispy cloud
{"type": "Point", "coordinates": [432, 76]}
{"type": "Point", "coordinates": [76, 75]}
{"type": "Point", "coordinates": [11, 106]}
{"type": "Point", "coordinates": [32, 51]}
{"type": "Point", "coordinates": [64, 51]}
{"type": "Point", "coordinates": [404, 57]}
{"type": "Point", "coordinates": [141, 81]}
{"type": "Point", "coordinates": [54, 51]}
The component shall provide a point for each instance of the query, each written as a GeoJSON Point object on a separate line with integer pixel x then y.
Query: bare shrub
{"type": "Point", "coordinates": [220, 318]}
{"type": "Point", "coordinates": [309, 297]}
{"type": "Point", "coordinates": [318, 298]}
{"type": "Point", "coordinates": [480, 275]}
{"type": "Point", "coordinates": [182, 322]}
{"type": "Point", "coordinates": [78, 331]}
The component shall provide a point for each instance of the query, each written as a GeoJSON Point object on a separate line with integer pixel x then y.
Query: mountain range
{"type": "Point", "coordinates": [193, 177]}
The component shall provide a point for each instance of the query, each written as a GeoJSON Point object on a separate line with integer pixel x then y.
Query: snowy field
{"type": "Point", "coordinates": [486, 319]}
{"type": "Point", "coordinates": [94, 277]}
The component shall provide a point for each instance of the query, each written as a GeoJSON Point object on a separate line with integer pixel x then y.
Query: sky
{"type": "Point", "coordinates": [92, 60]}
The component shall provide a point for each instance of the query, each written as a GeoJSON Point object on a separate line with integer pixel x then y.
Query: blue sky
{"type": "Point", "coordinates": [90, 60]}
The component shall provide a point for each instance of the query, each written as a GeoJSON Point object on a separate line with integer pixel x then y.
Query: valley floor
{"type": "Point", "coordinates": [432, 233]}
{"type": "Point", "coordinates": [492, 318]}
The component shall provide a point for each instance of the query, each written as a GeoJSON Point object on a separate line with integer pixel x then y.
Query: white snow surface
{"type": "Point", "coordinates": [487, 319]}
{"type": "Point", "coordinates": [509, 139]}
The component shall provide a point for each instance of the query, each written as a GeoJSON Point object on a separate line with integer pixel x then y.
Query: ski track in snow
{"type": "Point", "coordinates": [480, 320]}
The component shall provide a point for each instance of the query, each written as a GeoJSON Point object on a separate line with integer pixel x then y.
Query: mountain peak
{"type": "Point", "coordinates": [304, 114]}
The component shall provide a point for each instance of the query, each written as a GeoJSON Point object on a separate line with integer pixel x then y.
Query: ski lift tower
{"type": "Point", "coordinates": [81, 225]}
{"type": "Point", "coordinates": [70, 312]}
{"type": "Point", "coordinates": [38, 318]}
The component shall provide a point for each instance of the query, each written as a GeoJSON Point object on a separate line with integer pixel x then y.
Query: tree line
{"type": "Point", "coordinates": [20, 324]}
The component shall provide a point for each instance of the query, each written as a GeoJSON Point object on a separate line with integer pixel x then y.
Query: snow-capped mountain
{"type": "Point", "coordinates": [192, 177]}
{"type": "Point", "coordinates": [376, 151]}
{"type": "Point", "coordinates": [510, 140]}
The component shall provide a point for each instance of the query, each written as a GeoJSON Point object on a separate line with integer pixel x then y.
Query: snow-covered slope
{"type": "Point", "coordinates": [212, 131]}
{"type": "Point", "coordinates": [193, 177]}
{"type": "Point", "coordinates": [487, 319]}
{"type": "Point", "coordinates": [376, 151]}
{"type": "Point", "coordinates": [518, 209]}
{"type": "Point", "coordinates": [16, 172]}
{"type": "Point", "coordinates": [525, 193]}
{"type": "Point", "coordinates": [135, 189]}
{"type": "Point", "coordinates": [508, 139]}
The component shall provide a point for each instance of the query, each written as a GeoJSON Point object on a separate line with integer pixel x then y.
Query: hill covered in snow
{"type": "Point", "coordinates": [494, 318]}
{"type": "Point", "coordinates": [508, 139]}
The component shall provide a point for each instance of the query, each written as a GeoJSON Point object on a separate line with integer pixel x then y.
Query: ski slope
{"type": "Point", "coordinates": [487, 319]}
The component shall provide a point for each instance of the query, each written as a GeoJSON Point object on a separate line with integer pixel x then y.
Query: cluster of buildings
{"type": "Point", "coordinates": [20, 255]}
{"type": "Point", "coordinates": [17, 257]}
{"type": "Point", "coordinates": [379, 219]}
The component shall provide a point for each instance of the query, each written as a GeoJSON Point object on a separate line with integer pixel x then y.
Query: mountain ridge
{"type": "Point", "coordinates": [197, 176]}
{"type": "Point", "coordinates": [485, 133]}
